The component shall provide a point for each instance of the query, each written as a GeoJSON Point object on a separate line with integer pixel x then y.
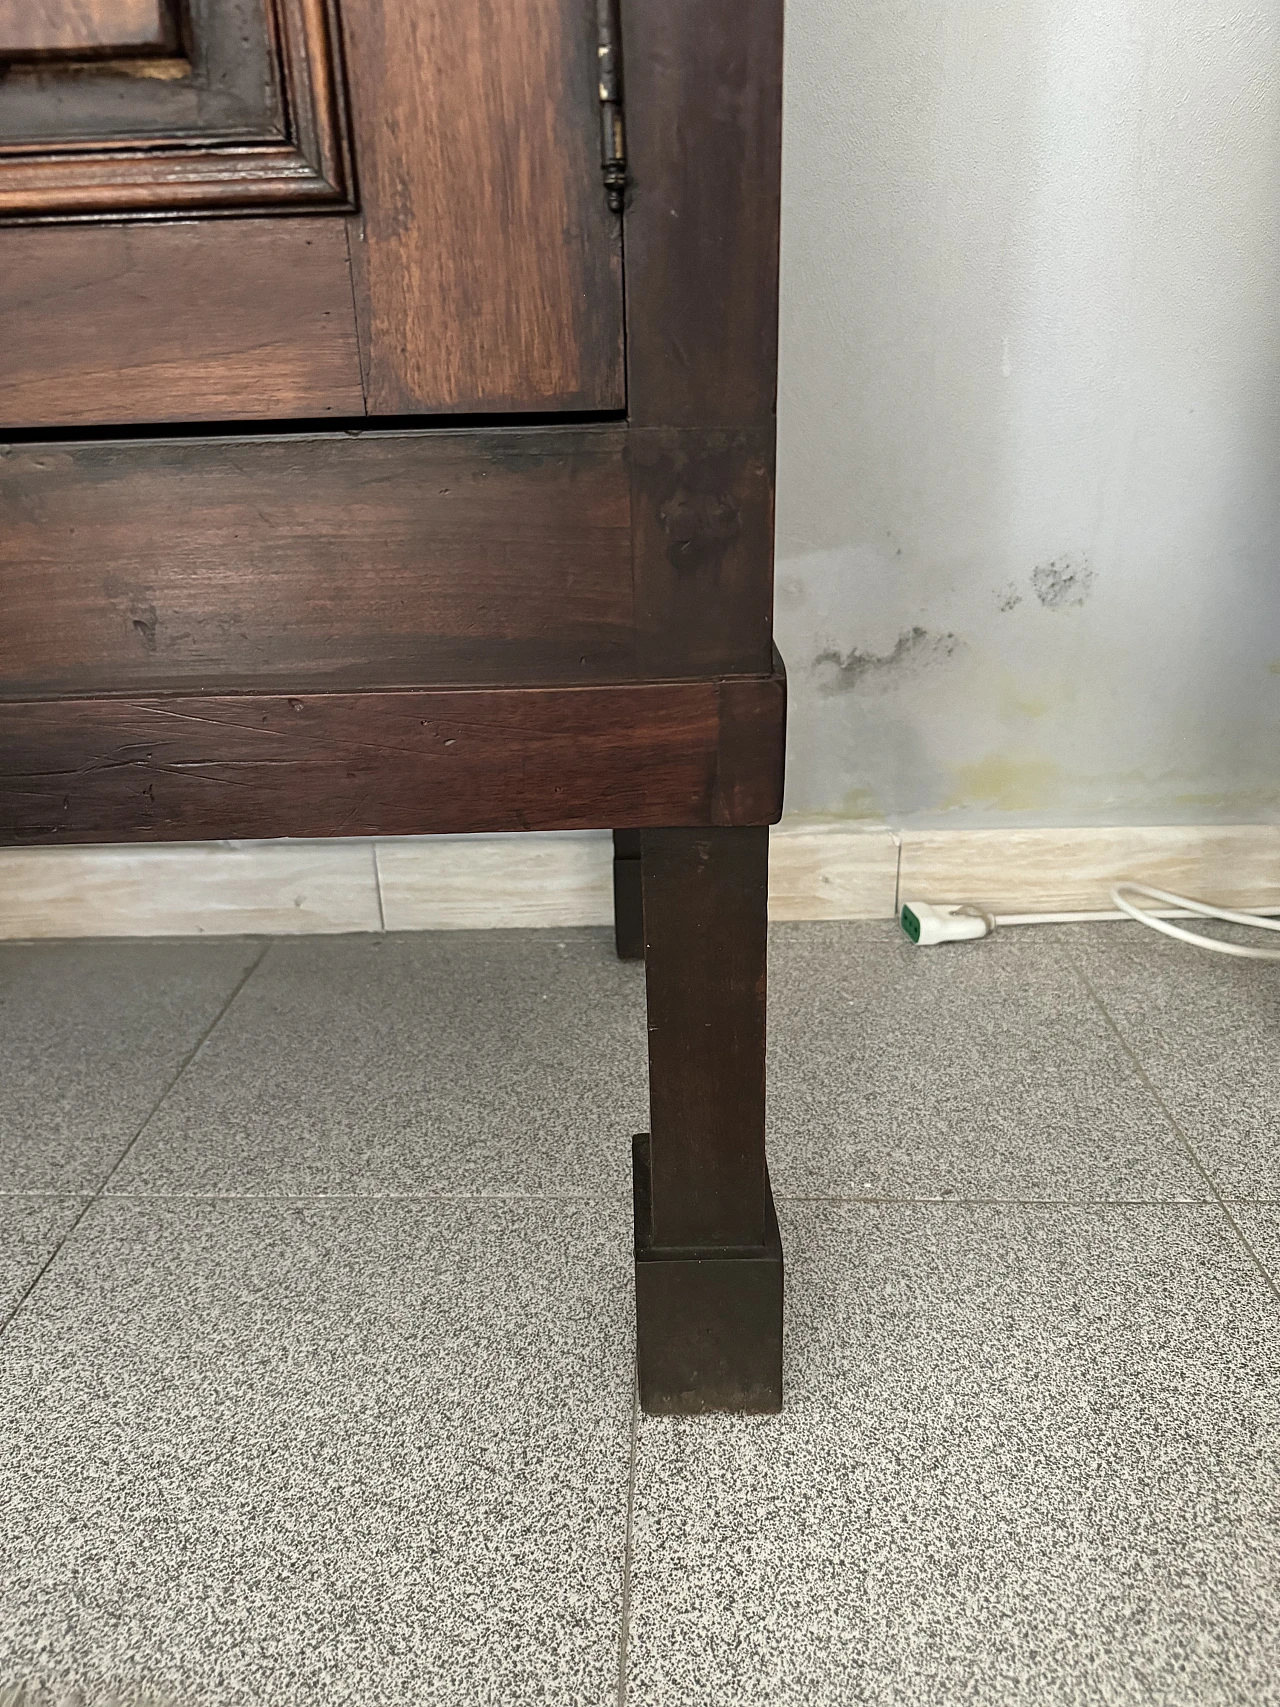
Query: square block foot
{"type": "Point", "coordinates": [708, 1321]}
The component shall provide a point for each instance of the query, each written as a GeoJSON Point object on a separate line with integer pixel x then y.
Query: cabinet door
{"type": "Point", "coordinates": [298, 209]}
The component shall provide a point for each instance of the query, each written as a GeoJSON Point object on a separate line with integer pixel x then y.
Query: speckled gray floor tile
{"type": "Point", "coordinates": [975, 1070]}
{"type": "Point", "coordinates": [342, 1453]}
{"type": "Point", "coordinates": [30, 1228]}
{"type": "Point", "coordinates": [1204, 1028]}
{"type": "Point", "coordinates": [91, 1033]}
{"type": "Point", "coordinates": [1260, 1225]}
{"type": "Point", "coordinates": [1028, 1460]}
{"type": "Point", "coordinates": [457, 1062]}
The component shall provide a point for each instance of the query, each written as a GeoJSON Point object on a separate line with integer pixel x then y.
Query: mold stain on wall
{"type": "Point", "coordinates": [1063, 581]}
{"type": "Point", "coordinates": [1028, 511]}
{"type": "Point", "coordinates": [915, 649]}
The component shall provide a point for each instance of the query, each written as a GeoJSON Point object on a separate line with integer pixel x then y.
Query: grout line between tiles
{"type": "Point", "coordinates": [616, 1198]}
{"type": "Point", "coordinates": [89, 1202]}
{"type": "Point", "coordinates": [377, 884]}
{"type": "Point", "coordinates": [34, 1197]}
{"type": "Point", "coordinates": [1011, 1202]}
{"type": "Point", "coordinates": [897, 875]}
{"type": "Point", "coordinates": [624, 1622]}
{"type": "Point", "coordinates": [353, 1197]}
{"type": "Point", "coordinates": [186, 1062]}
{"type": "Point", "coordinates": [36, 1278]}
{"type": "Point", "coordinates": [1222, 1202]}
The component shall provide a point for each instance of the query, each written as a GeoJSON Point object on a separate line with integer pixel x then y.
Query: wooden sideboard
{"type": "Point", "coordinates": [387, 404]}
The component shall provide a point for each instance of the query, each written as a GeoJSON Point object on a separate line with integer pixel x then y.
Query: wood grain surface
{"type": "Point", "coordinates": [225, 319]}
{"type": "Point", "coordinates": [258, 120]}
{"type": "Point", "coordinates": [229, 84]}
{"type": "Point", "coordinates": [705, 927]}
{"type": "Point", "coordinates": [703, 100]}
{"type": "Point", "coordinates": [488, 265]}
{"type": "Point", "coordinates": [180, 768]}
{"type": "Point", "coordinates": [33, 28]}
{"type": "Point", "coordinates": [312, 560]}
{"type": "Point", "coordinates": [702, 514]}
{"type": "Point", "coordinates": [704, 138]}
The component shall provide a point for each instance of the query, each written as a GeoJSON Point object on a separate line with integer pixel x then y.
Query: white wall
{"type": "Point", "coordinates": [1030, 410]}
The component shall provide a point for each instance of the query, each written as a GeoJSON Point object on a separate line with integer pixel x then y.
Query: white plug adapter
{"type": "Point", "coordinates": [927, 922]}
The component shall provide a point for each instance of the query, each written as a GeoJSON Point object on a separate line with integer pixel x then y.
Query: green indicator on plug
{"type": "Point", "coordinates": [910, 924]}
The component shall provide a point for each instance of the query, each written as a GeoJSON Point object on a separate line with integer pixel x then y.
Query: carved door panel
{"type": "Point", "coordinates": [221, 210]}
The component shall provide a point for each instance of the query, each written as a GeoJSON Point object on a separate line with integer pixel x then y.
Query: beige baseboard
{"type": "Point", "coordinates": [190, 889]}
{"type": "Point", "coordinates": [1072, 870]}
{"type": "Point", "coordinates": [817, 871]}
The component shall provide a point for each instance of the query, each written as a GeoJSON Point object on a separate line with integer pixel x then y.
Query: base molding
{"type": "Point", "coordinates": [816, 871]}
{"type": "Point", "coordinates": [1071, 870]}
{"type": "Point", "coordinates": [708, 1321]}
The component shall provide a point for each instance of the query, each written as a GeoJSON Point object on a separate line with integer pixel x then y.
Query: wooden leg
{"type": "Point", "coordinates": [628, 908]}
{"type": "Point", "coordinates": [708, 1255]}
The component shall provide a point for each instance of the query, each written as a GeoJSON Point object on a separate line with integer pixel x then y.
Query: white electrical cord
{"type": "Point", "coordinates": [1202, 908]}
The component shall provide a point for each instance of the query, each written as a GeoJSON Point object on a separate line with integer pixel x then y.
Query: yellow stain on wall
{"type": "Point", "coordinates": [1006, 784]}
{"type": "Point", "coordinates": [1244, 805]}
{"type": "Point", "coordinates": [859, 805]}
{"type": "Point", "coordinates": [1014, 699]}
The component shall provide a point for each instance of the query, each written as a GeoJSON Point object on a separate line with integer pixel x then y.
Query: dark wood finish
{"type": "Point", "coordinates": [709, 1321]}
{"type": "Point", "coordinates": [255, 636]}
{"type": "Point", "coordinates": [702, 504]}
{"type": "Point", "coordinates": [233, 129]}
{"type": "Point", "coordinates": [81, 29]}
{"type": "Point", "coordinates": [703, 94]}
{"type": "Point", "coordinates": [488, 263]}
{"type": "Point", "coordinates": [628, 897]}
{"type": "Point", "coordinates": [704, 126]}
{"type": "Point", "coordinates": [228, 85]}
{"type": "Point", "coordinates": [458, 556]}
{"type": "Point", "coordinates": [703, 99]}
{"type": "Point", "coordinates": [311, 561]}
{"type": "Point", "coordinates": [705, 895]}
{"type": "Point", "coordinates": [754, 725]}
{"type": "Point", "coordinates": [116, 323]}
{"type": "Point", "coordinates": [357, 764]}
{"type": "Point", "coordinates": [708, 1254]}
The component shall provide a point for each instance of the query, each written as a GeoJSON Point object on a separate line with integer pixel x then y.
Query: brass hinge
{"type": "Point", "coordinates": [613, 141]}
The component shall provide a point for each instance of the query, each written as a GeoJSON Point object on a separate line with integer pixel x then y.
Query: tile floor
{"type": "Point", "coordinates": [315, 1378]}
